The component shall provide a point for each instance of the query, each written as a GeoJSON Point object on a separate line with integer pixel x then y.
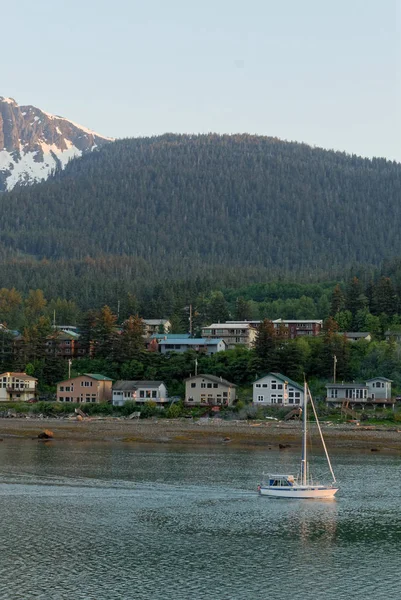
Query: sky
{"type": "Point", "coordinates": [324, 72]}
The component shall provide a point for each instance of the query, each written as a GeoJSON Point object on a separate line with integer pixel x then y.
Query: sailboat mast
{"type": "Point", "coordinates": [321, 437]}
{"type": "Point", "coordinates": [304, 463]}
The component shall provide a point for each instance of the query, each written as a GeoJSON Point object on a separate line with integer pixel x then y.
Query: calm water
{"type": "Point", "coordinates": [97, 521]}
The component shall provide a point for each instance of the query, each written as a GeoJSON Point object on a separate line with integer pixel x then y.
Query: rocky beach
{"type": "Point", "coordinates": [264, 435]}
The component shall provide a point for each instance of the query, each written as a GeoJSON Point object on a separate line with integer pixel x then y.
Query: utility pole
{"type": "Point", "coordinates": [335, 368]}
{"type": "Point", "coordinates": [196, 367]}
{"type": "Point", "coordinates": [54, 319]}
{"type": "Point", "coordinates": [190, 320]}
{"type": "Point", "coordinates": [69, 368]}
{"type": "Point", "coordinates": [118, 311]}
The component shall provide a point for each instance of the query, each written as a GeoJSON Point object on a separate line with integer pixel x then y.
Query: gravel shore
{"type": "Point", "coordinates": [203, 432]}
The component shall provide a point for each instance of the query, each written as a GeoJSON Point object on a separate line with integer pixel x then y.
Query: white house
{"type": "Point", "coordinates": [17, 387]}
{"type": "Point", "coordinates": [275, 388]}
{"type": "Point", "coordinates": [139, 392]}
{"type": "Point", "coordinates": [201, 345]}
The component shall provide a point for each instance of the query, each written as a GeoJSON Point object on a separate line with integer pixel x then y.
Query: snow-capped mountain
{"type": "Point", "coordinates": [34, 143]}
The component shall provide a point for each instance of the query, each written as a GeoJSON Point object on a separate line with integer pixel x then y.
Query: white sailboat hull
{"type": "Point", "coordinates": [298, 491]}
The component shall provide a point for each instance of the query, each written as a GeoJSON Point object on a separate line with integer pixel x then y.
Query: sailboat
{"type": "Point", "coordinates": [288, 486]}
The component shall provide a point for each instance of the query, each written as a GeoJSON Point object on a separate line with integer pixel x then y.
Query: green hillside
{"type": "Point", "coordinates": [235, 208]}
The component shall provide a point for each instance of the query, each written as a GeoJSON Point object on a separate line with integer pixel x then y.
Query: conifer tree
{"type": "Point", "coordinates": [243, 311]}
{"type": "Point", "coordinates": [130, 344]}
{"type": "Point", "coordinates": [105, 334]}
{"type": "Point", "coordinates": [337, 301]}
{"type": "Point", "coordinates": [265, 346]}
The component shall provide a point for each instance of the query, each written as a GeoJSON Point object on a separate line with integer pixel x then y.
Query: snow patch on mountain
{"type": "Point", "coordinates": [34, 143]}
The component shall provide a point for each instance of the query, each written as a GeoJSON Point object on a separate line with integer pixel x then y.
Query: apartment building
{"type": "Point", "coordinates": [233, 334]}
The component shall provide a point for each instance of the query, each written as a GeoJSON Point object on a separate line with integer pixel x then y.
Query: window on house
{"type": "Point", "coordinates": [193, 385]}
{"type": "Point", "coordinates": [274, 385]}
{"type": "Point", "coordinates": [261, 398]}
{"type": "Point", "coordinates": [142, 394]}
{"type": "Point", "coordinates": [203, 385]}
{"type": "Point", "coordinates": [209, 385]}
{"type": "Point", "coordinates": [257, 385]}
{"type": "Point", "coordinates": [280, 386]}
{"type": "Point", "coordinates": [61, 388]}
{"type": "Point", "coordinates": [264, 385]}
{"type": "Point", "coordinates": [225, 394]}
{"type": "Point", "coordinates": [215, 385]}
{"type": "Point", "coordinates": [154, 393]}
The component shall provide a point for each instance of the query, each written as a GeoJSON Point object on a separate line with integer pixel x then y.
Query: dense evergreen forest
{"type": "Point", "coordinates": [196, 213]}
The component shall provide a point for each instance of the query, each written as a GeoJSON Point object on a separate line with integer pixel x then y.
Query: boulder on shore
{"type": "Point", "coordinates": [46, 434]}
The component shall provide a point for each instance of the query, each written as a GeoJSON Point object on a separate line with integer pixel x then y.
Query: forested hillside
{"type": "Point", "coordinates": [227, 209]}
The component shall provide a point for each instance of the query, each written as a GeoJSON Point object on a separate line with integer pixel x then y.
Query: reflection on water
{"type": "Point", "coordinates": [109, 521]}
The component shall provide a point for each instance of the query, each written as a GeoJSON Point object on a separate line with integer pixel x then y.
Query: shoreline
{"type": "Point", "coordinates": [241, 434]}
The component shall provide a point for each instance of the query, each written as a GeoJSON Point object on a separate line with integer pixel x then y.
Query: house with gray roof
{"type": "Point", "coordinates": [209, 390]}
{"type": "Point", "coordinates": [375, 391]}
{"type": "Point", "coordinates": [355, 336]}
{"type": "Point", "coordinates": [139, 392]}
{"type": "Point", "coordinates": [275, 388]}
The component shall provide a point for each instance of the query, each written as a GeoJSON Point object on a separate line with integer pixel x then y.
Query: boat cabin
{"type": "Point", "coordinates": [281, 480]}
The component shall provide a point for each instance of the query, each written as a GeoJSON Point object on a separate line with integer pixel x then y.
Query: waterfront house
{"type": "Point", "coordinates": [17, 387]}
{"type": "Point", "coordinates": [275, 388]}
{"type": "Point", "coordinates": [375, 391]}
{"type": "Point", "coordinates": [89, 387]}
{"type": "Point", "coordinates": [201, 345]}
{"type": "Point", "coordinates": [209, 390]}
{"type": "Point", "coordinates": [139, 392]}
{"type": "Point", "coordinates": [232, 334]}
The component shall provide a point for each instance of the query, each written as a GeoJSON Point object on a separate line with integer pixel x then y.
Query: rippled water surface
{"type": "Point", "coordinates": [104, 521]}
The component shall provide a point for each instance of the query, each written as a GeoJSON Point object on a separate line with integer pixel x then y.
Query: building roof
{"type": "Point", "coordinates": [97, 376]}
{"type": "Point", "coordinates": [155, 321]}
{"type": "Point", "coordinates": [355, 334]}
{"type": "Point", "coordinates": [192, 341]}
{"type": "Point", "coordinates": [228, 326]}
{"type": "Point", "coordinates": [212, 378]}
{"type": "Point", "coordinates": [282, 378]}
{"type": "Point", "coordinates": [126, 386]}
{"type": "Point", "coordinates": [381, 379]}
{"type": "Point", "coordinates": [18, 375]}
{"type": "Point", "coordinates": [298, 321]}
{"type": "Point", "coordinates": [169, 336]}
{"type": "Point", "coordinates": [343, 386]}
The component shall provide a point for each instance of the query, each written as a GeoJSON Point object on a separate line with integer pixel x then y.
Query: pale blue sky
{"type": "Point", "coordinates": [326, 72]}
